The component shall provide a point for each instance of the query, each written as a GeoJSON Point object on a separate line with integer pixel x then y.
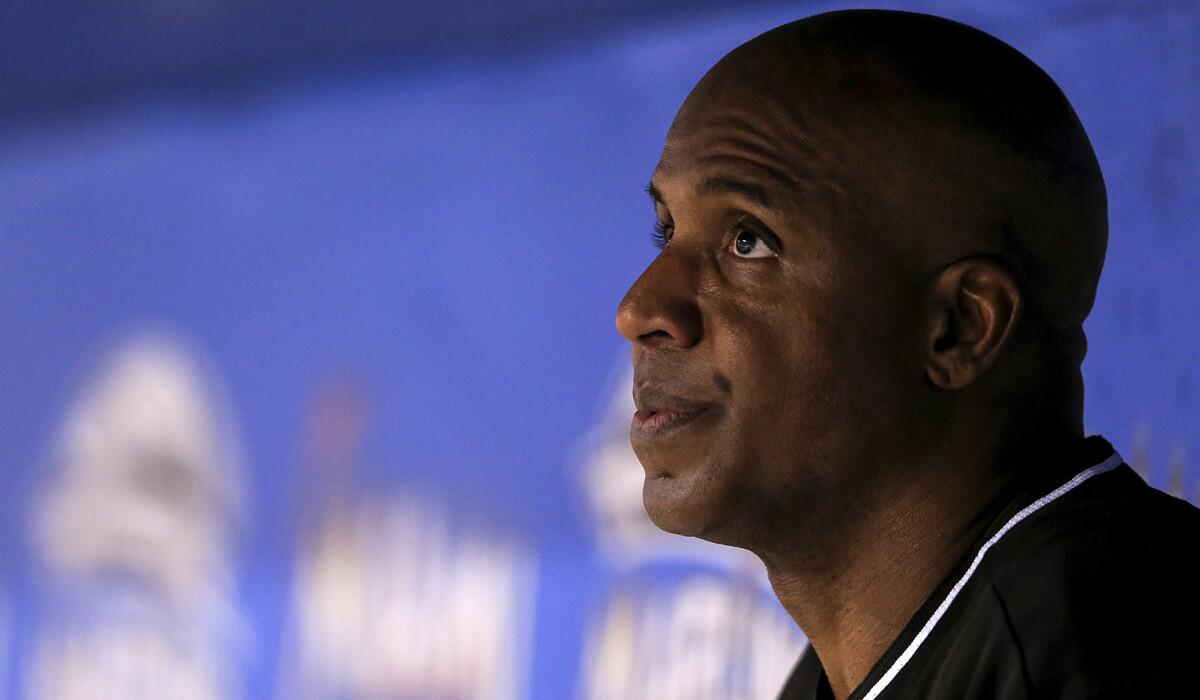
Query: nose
{"type": "Point", "coordinates": [660, 308]}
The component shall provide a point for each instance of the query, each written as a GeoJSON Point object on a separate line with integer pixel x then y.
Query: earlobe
{"type": "Point", "coordinates": [974, 305]}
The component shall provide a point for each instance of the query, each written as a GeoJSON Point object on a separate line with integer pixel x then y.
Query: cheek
{"type": "Point", "coordinates": [804, 387]}
{"type": "Point", "coordinates": [854, 383]}
{"type": "Point", "coordinates": [776, 381]}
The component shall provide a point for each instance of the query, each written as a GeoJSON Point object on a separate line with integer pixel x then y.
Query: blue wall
{"type": "Point", "coordinates": [453, 234]}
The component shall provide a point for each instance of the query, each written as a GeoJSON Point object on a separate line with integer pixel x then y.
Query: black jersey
{"type": "Point", "coordinates": [1084, 585]}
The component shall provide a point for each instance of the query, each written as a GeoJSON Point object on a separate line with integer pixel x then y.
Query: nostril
{"type": "Point", "coordinates": [655, 335]}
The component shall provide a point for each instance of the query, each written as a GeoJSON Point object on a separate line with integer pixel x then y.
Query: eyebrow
{"type": "Point", "coordinates": [720, 184]}
{"type": "Point", "coordinates": [727, 185]}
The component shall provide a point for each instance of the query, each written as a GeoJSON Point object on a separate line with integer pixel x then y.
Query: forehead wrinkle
{"type": "Point", "coordinates": [759, 155]}
{"type": "Point", "coordinates": [733, 174]}
{"type": "Point", "coordinates": [740, 134]}
{"type": "Point", "coordinates": [769, 146]}
{"type": "Point", "coordinates": [729, 161]}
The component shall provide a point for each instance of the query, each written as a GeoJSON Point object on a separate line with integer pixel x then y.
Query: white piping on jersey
{"type": "Point", "coordinates": [882, 684]}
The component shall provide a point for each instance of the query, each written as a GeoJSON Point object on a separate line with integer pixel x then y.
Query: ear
{"type": "Point", "coordinates": [973, 309]}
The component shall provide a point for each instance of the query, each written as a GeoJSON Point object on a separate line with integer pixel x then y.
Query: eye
{"type": "Point", "coordinates": [662, 234]}
{"type": "Point", "coordinates": [748, 244]}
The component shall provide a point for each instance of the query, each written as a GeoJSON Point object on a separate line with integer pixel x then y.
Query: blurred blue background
{"type": "Point", "coordinates": [377, 248]}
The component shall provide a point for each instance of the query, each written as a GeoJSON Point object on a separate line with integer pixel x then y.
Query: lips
{"type": "Point", "coordinates": [652, 423]}
{"type": "Point", "coordinates": [660, 414]}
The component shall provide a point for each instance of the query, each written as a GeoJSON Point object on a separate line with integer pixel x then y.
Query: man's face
{"type": "Point", "coordinates": [773, 347]}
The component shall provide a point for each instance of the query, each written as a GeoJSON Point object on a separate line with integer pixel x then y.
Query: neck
{"type": "Point", "coordinates": [854, 591]}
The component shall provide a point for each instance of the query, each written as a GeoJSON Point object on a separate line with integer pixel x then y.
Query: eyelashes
{"type": "Point", "coordinates": [661, 235]}
{"type": "Point", "coordinates": [746, 234]}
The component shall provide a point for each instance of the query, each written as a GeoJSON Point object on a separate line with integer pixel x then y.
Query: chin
{"type": "Point", "coordinates": [681, 506]}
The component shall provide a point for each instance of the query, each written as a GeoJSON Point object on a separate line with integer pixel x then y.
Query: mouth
{"type": "Point", "coordinates": [649, 424]}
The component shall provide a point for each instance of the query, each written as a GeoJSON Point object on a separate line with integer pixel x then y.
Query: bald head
{"type": "Point", "coordinates": [881, 233]}
{"type": "Point", "coordinates": [925, 138]}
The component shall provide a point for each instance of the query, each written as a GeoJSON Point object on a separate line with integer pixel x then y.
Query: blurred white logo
{"type": "Point", "coordinates": [391, 604]}
{"type": "Point", "coordinates": [705, 638]}
{"type": "Point", "coordinates": [391, 600]}
{"type": "Point", "coordinates": [135, 533]}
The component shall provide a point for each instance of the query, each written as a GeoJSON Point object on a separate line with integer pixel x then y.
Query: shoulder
{"type": "Point", "coordinates": [1100, 585]}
